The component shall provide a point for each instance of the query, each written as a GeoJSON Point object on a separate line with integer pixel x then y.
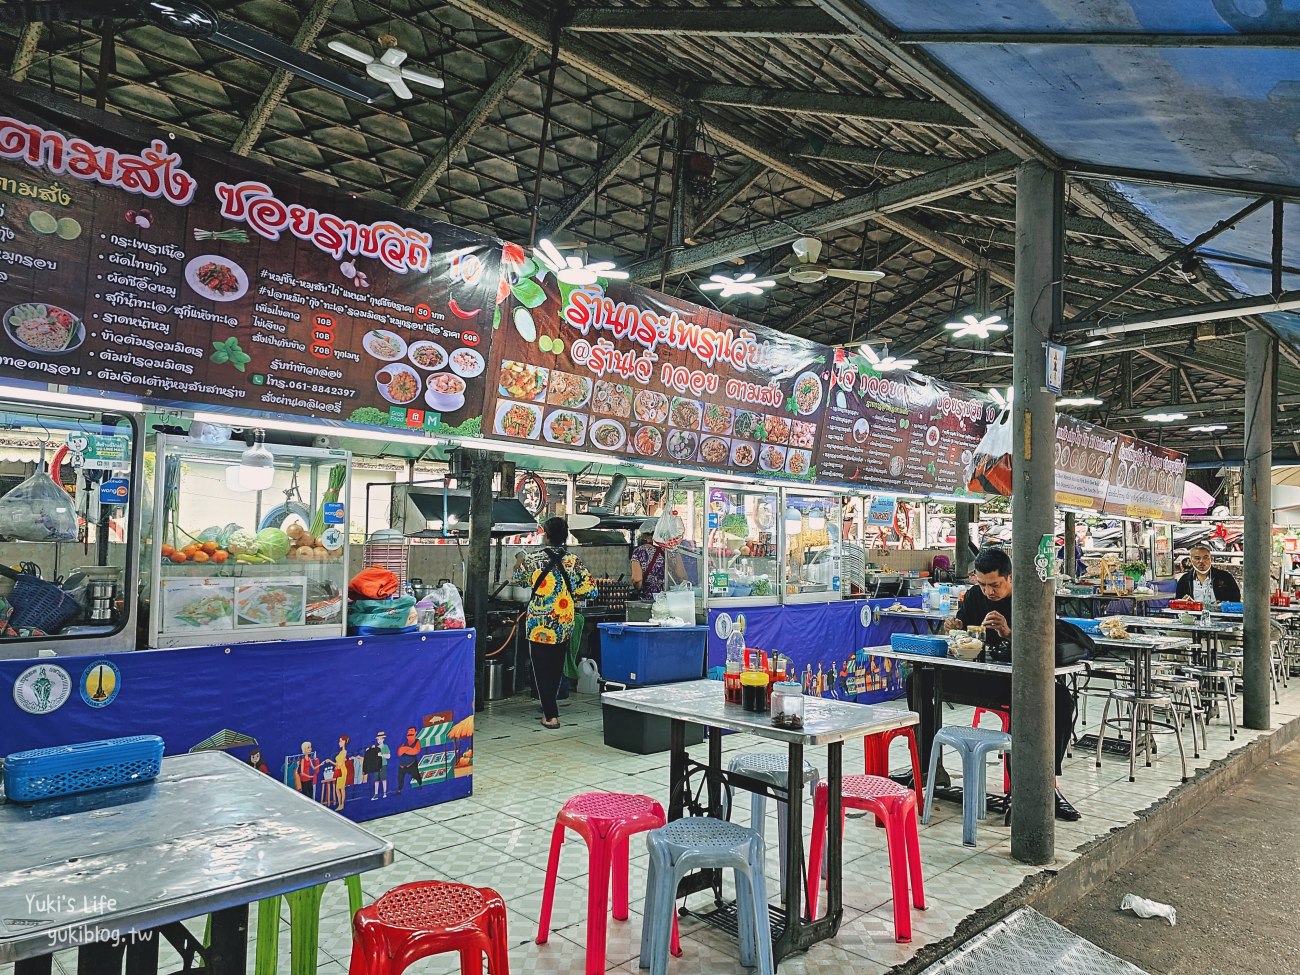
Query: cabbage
{"type": "Point", "coordinates": [241, 541]}
{"type": "Point", "coordinates": [273, 544]}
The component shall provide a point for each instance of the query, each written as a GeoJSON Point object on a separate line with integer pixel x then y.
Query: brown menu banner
{"type": "Point", "coordinates": [1146, 481]}
{"type": "Point", "coordinates": [136, 263]}
{"type": "Point", "coordinates": [1085, 454]}
{"type": "Point", "coordinates": [614, 368]}
{"type": "Point", "coordinates": [900, 431]}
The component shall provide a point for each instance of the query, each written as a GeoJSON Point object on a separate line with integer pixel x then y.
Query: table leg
{"type": "Point", "coordinates": [929, 706]}
{"type": "Point", "coordinates": [34, 966]}
{"type": "Point", "coordinates": [228, 950]}
{"type": "Point", "coordinates": [677, 767]}
{"type": "Point", "coordinates": [835, 836]}
{"type": "Point", "coordinates": [142, 954]}
{"type": "Point", "coordinates": [715, 772]}
{"type": "Point", "coordinates": [97, 959]}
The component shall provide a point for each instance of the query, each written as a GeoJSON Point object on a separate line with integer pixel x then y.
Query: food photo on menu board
{"type": "Point", "coordinates": [900, 430]}
{"type": "Point", "coordinates": [623, 370]}
{"type": "Point", "coordinates": [155, 267]}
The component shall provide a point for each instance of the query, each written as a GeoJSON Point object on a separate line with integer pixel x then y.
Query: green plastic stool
{"type": "Point", "coordinates": [304, 928]}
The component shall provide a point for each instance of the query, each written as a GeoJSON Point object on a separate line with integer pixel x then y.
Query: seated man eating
{"type": "Point", "coordinates": [988, 604]}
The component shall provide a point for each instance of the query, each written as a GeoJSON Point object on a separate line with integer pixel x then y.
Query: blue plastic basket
{"type": "Point", "coordinates": [1229, 607]}
{"type": "Point", "coordinates": [927, 646]}
{"type": "Point", "coordinates": [65, 770]}
{"type": "Point", "coordinates": [1091, 627]}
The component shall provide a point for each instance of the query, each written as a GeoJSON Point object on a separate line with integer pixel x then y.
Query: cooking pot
{"type": "Point", "coordinates": [518, 594]}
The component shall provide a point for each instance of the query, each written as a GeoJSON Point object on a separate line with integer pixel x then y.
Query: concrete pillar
{"type": "Point", "coordinates": [961, 532]}
{"type": "Point", "coordinates": [1257, 537]}
{"type": "Point", "coordinates": [1039, 243]}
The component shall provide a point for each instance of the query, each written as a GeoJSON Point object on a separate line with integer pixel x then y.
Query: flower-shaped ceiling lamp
{"type": "Point", "coordinates": [976, 326]}
{"type": "Point", "coordinates": [572, 270]}
{"type": "Point", "coordinates": [886, 362]}
{"type": "Point", "coordinates": [745, 284]}
{"type": "Point", "coordinates": [1003, 397]}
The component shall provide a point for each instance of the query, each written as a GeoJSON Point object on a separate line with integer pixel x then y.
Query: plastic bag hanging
{"type": "Point", "coordinates": [990, 465]}
{"type": "Point", "coordinates": [38, 510]}
{"type": "Point", "coordinates": [669, 530]}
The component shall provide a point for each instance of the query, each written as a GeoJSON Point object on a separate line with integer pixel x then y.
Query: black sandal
{"type": "Point", "coordinates": [546, 723]}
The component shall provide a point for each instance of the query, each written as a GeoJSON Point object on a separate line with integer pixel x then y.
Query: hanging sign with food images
{"type": "Point", "coordinates": [899, 431]}
{"type": "Point", "coordinates": [1146, 481]}
{"type": "Point", "coordinates": [615, 368]}
{"type": "Point", "coordinates": [1085, 454]}
{"type": "Point", "coordinates": [135, 262]}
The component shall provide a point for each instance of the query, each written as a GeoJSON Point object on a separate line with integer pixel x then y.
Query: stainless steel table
{"type": "Point", "coordinates": [1211, 633]}
{"type": "Point", "coordinates": [110, 872]}
{"type": "Point", "coordinates": [932, 618]}
{"type": "Point", "coordinates": [1138, 599]}
{"type": "Point", "coordinates": [826, 722]}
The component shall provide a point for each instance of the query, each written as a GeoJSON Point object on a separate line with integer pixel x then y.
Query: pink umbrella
{"type": "Point", "coordinates": [1195, 500]}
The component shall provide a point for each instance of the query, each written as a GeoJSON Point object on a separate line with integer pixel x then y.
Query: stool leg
{"type": "Point", "coordinates": [758, 813]}
{"type": "Point", "coordinates": [304, 928]}
{"type": "Point", "coordinates": [972, 795]}
{"type": "Point", "coordinates": [1182, 755]}
{"type": "Point", "coordinates": [1101, 732]}
{"type": "Point", "coordinates": [618, 868]}
{"type": "Point", "coordinates": [897, 844]}
{"type": "Point", "coordinates": [548, 892]}
{"type": "Point", "coordinates": [266, 959]}
{"type": "Point", "coordinates": [471, 961]}
{"type": "Point", "coordinates": [355, 897]}
{"type": "Point", "coordinates": [912, 835]}
{"type": "Point", "coordinates": [598, 904]}
{"type": "Point", "coordinates": [758, 898]}
{"type": "Point", "coordinates": [782, 814]}
{"type": "Point", "coordinates": [745, 931]}
{"type": "Point", "coordinates": [1133, 741]}
{"type": "Point", "coordinates": [1228, 690]}
{"type": "Point", "coordinates": [498, 942]}
{"type": "Point", "coordinates": [660, 871]}
{"type": "Point", "coordinates": [936, 751]}
{"type": "Point", "coordinates": [815, 847]}
{"type": "Point", "coordinates": [916, 768]}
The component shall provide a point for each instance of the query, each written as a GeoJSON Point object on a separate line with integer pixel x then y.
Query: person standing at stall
{"type": "Point", "coordinates": [1206, 582]}
{"type": "Point", "coordinates": [559, 580]}
{"type": "Point", "coordinates": [989, 605]}
{"type": "Point", "coordinates": [649, 566]}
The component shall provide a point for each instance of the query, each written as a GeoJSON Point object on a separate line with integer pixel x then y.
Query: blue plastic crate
{"type": "Point", "coordinates": [928, 646]}
{"type": "Point", "coordinates": [64, 770]}
{"type": "Point", "coordinates": [1230, 607]}
{"type": "Point", "coordinates": [1091, 627]}
{"type": "Point", "coordinates": [642, 655]}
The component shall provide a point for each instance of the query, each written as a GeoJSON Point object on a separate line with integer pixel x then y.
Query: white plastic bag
{"type": "Point", "coordinates": [38, 510]}
{"type": "Point", "coordinates": [445, 612]}
{"type": "Point", "coordinates": [1145, 908]}
{"type": "Point", "coordinates": [670, 530]}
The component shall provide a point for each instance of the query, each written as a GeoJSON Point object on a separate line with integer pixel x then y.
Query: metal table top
{"type": "Point", "coordinates": [1138, 641]}
{"type": "Point", "coordinates": [209, 833]}
{"type": "Point", "coordinates": [918, 614]}
{"type": "Point", "coordinates": [957, 664]}
{"type": "Point", "coordinates": [1220, 629]}
{"type": "Point", "coordinates": [1137, 597]}
{"type": "Point", "coordinates": [701, 702]}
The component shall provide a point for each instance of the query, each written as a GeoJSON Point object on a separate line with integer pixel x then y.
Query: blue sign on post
{"type": "Point", "coordinates": [333, 512]}
{"type": "Point", "coordinates": [116, 490]}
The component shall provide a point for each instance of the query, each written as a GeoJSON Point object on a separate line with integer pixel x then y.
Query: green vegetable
{"type": "Point", "coordinates": [273, 544]}
{"type": "Point", "coordinates": [338, 474]}
{"type": "Point", "coordinates": [472, 427]}
{"type": "Point", "coordinates": [229, 351]}
{"type": "Point", "coordinates": [761, 588]}
{"type": "Point", "coordinates": [530, 294]}
{"type": "Point", "coordinates": [735, 525]}
{"type": "Point", "coordinates": [369, 415]}
{"type": "Point", "coordinates": [241, 541]}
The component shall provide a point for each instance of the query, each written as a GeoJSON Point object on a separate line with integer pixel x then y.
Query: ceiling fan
{"type": "Point", "coordinates": [388, 68]}
{"type": "Point", "coordinates": [806, 270]}
{"type": "Point", "coordinates": [195, 20]}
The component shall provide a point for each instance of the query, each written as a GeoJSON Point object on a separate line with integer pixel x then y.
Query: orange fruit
{"type": "Point", "coordinates": [167, 551]}
{"type": "Point", "coordinates": [200, 556]}
{"type": "Point", "coordinates": [190, 549]}
{"type": "Point", "coordinates": [179, 557]}
{"type": "Point", "coordinates": [220, 555]}
{"type": "Point", "coordinates": [210, 547]}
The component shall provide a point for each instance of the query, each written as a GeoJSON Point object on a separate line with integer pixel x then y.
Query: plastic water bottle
{"type": "Point", "coordinates": [929, 595]}
{"type": "Point", "coordinates": [735, 650]}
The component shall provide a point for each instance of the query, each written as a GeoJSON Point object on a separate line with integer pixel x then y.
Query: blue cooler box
{"type": "Point", "coordinates": [642, 655]}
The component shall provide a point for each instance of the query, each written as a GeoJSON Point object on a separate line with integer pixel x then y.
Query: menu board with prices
{"type": "Point", "coordinates": [1146, 481]}
{"type": "Point", "coordinates": [899, 431]}
{"type": "Point", "coordinates": [615, 368]}
{"type": "Point", "coordinates": [1084, 455]}
{"type": "Point", "coordinates": [138, 263]}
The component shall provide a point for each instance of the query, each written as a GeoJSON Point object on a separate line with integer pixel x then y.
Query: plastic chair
{"type": "Point", "coordinates": [875, 757]}
{"type": "Point", "coordinates": [772, 769]}
{"type": "Point", "coordinates": [893, 804]}
{"type": "Point", "coordinates": [1003, 716]}
{"type": "Point", "coordinates": [685, 845]}
{"type": "Point", "coordinates": [973, 744]}
{"type": "Point", "coordinates": [605, 821]}
{"type": "Point", "coordinates": [426, 918]}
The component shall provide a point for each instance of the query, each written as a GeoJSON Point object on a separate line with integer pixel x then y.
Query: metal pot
{"type": "Point", "coordinates": [500, 679]}
{"type": "Point", "coordinates": [519, 594]}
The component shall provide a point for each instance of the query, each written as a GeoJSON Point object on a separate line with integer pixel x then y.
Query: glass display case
{"type": "Point", "coordinates": [742, 556]}
{"type": "Point", "coordinates": [68, 529]}
{"type": "Point", "coordinates": [247, 543]}
{"type": "Point", "coordinates": [812, 527]}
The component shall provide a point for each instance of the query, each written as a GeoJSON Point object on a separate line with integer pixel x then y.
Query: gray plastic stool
{"type": "Point", "coordinates": [973, 744]}
{"type": "Point", "coordinates": [773, 769]}
{"type": "Point", "coordinates": [701, 843]}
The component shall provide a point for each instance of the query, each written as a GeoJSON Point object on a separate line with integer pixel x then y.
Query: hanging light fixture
{"type": "Point", "coordinates": [745, 284]}
{"type": "Point", "coordinates": [572, 270]}
{"type": "Point", "coordinates": [256, 469]}
{"type": "Point", "coordinates": [1003, 397]}
{"type": "Point", "coordinates": [816, 519]}
{"type": "Point", "coordinates": [1078, 401]}
{"type": "Point", "coordinates": [1164, 417]}
{"type": "Point", "coordinates": [979, 323]}
{"type": "Point", "coordinates": [886, 362]}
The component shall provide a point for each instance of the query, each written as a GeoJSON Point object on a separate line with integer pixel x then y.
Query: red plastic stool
{"type": "Point", "coordinates": [875, 754]}
{"type": "Point", "coordinates": [426, 918]}
{"type": "Point", "coordinates": [604, 820]}
{"type": "Point", "coordinates": [896, 805]}
{"type": "Point", "coordinates": [1005, 717]}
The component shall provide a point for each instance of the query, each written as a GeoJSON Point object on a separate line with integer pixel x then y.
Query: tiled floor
{"type": "Point", "coordinates": [499, 837]}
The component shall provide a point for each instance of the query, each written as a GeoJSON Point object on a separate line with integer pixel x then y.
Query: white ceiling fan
{"type": "Point", "coordinates": [806, 270]}
{"type": "Point", "coordinates": [388, 68]}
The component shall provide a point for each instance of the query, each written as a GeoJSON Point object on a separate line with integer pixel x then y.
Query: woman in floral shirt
{"type": "Point", "coordinates": [558, 580]}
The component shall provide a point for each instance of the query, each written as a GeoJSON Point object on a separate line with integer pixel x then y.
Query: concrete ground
{"type": "Point", "coordinates": [1232, 875]}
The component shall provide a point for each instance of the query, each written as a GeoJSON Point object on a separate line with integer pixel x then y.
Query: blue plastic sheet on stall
{"type": "Point", "coordinates": [824, 642]}
{"type": "Point", "coordinates": [262, 702]}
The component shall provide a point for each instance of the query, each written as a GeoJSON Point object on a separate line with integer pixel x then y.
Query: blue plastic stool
{"type": "Point", "coordinates": [772, 769]}
{"type": "Point", "coordinates": [691, 844]}
{"type": "Point", "coordinates": [973, 744]}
